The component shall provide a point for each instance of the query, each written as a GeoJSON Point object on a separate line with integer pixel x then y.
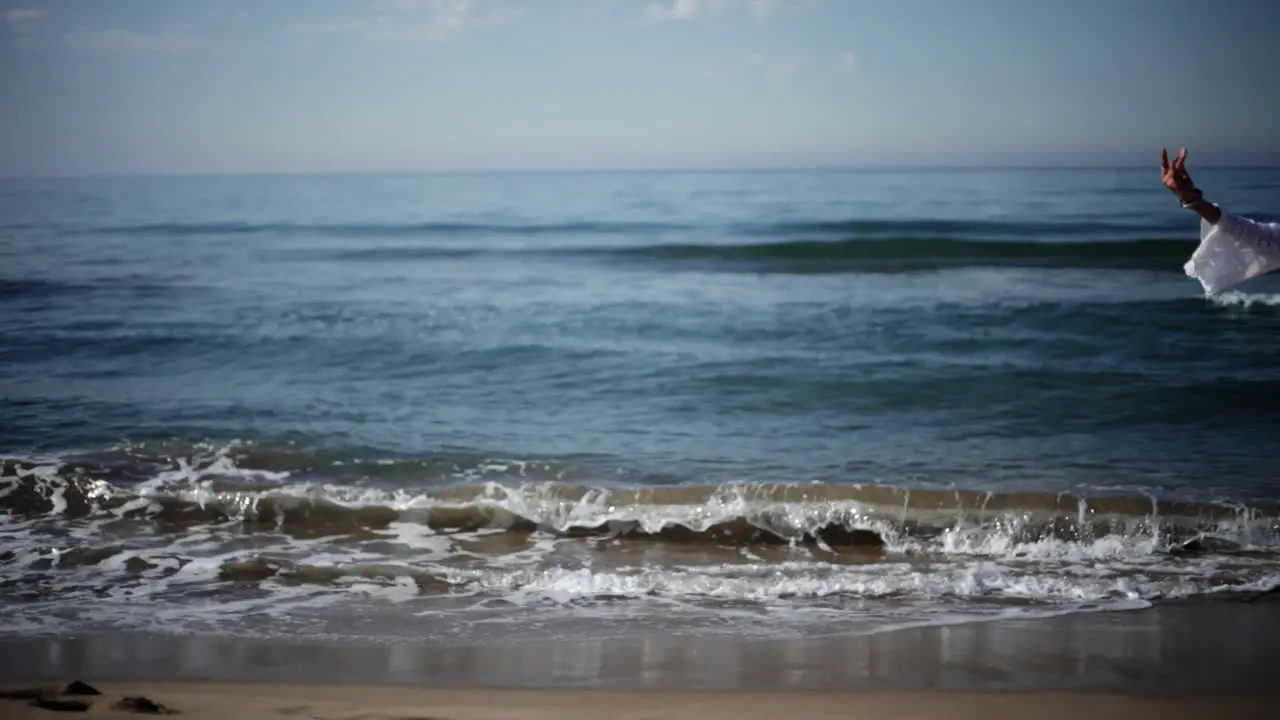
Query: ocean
{"type": "Point", "coordinates": [450, 408]}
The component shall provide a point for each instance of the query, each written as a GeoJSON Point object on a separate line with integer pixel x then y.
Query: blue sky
{"type": "Point", "coordinates": [191, 86]}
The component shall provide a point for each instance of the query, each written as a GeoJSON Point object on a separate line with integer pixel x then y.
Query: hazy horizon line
{"type": "Point", "coordinates": [622, 170]}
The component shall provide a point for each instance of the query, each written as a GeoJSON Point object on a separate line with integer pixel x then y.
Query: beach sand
{"type": "Point", "coordinates": [1186, 660]}
{"type": "Point", "coordinates": [382, 702]}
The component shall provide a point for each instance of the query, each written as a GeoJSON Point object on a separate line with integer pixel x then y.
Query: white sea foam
{"type": "Point", "coordinates": [97, 554]}
{"type": "Point", "coordinates": [1235, 298]}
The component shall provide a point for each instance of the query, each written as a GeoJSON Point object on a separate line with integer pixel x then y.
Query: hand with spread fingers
{"type": "Point", "coordinates": [1178, 180]}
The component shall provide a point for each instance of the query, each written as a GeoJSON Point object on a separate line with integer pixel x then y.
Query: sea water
{"type": "Point", "coordinates": [753, 403]}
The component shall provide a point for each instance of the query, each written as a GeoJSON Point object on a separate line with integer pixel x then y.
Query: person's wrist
{"type": "Point", "coordinates": [1191, 198]}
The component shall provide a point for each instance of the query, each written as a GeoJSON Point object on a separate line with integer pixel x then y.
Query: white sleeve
{"type": "Point", "coordinates": [1233, 250]}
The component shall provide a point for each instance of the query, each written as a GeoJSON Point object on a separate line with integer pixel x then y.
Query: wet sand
{"type": "Point", "coordinates": [1197, 659]}
{"type": "Point", "coordinates": [381, 702]}
{"type": "Point", "coordinates": [1229, 645]}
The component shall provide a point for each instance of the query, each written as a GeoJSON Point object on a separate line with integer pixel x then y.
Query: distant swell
{"type": "Point", "coordinates": [926, 252]}
{"type": "Point", "coordinates": [374, 229]}
{"type": "Point", "coordinates": [786, 230]}
{"type": "Point", "coordinates": [898, 254]}
{"type": "Point", "coordinates": [35, 288]}
{"type": "Point", "coordinates": [804, 246]}
{"type": "Point", "coordinates": [964, 229]}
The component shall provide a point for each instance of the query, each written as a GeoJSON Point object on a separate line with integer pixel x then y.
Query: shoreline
{"type": "Point", "coordinates": [372, 702]}
{"type": "Point", "coordinates": [1228, 645]}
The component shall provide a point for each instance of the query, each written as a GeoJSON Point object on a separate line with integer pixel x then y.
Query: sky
{"type": "Point", "coordinates": [227, 86]}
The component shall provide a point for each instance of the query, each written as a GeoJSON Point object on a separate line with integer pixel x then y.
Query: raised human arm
{"type": "Point", "coordinates": [1178, 180]}
{"type": "Point", "coordinates": [1232, 248]}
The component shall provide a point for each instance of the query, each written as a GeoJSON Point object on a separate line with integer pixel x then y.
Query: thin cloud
{"type": "Point", "coordinates": [21, 15]}
{"type": "Point", "coordinates": [173, 40]}
{"type": "Point", "coordinates": [762, 9]}
{"type": "Point", "coordinates": [21, 20]}
{"type": "Point", "coordinates": [676, 10]}
{"type": "Point", "coordinates": [422, 21]}
{"type": "Point", "coordinates": [849, 61]}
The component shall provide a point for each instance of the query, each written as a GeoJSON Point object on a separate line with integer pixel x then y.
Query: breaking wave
{"type": "Point", "coordinates": [205, 536]}
{"type": "Point", "coordinates": [216, 491]}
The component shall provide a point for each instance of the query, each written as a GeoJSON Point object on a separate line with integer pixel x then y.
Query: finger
{"type": "Point", "coordinates": [1181, 160]}
{"type": "Point", "coordinates": [1164, 159]}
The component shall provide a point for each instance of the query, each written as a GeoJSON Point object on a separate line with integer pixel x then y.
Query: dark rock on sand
{"type": "Point", "coordinates": [60, 705]}
{"type": "Point", "coordinates": [75, 687]}
{"type": "Point", "coordinates": [65, 698]}
{"type": "Point", "coordinates": [145, 706]}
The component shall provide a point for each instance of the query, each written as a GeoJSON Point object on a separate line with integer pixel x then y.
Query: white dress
{"type": "Point", "coordinates": [1233, 250]}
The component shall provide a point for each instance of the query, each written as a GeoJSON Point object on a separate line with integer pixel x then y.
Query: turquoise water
{"type": "Point", "coordinates": [538, 390]}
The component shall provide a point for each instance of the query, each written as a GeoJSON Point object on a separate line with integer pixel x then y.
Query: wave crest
{"type": "Point", "coordinates": [830, 517]}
